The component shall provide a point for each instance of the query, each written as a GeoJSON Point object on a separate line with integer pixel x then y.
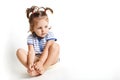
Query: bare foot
{"type": "Point", "coordinates": [33, 73]}
{"type": "Point", "coordinates": [41, 70]}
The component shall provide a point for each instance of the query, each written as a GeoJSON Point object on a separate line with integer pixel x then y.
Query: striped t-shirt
{"type": "Point", "coordinates": [39, 43]}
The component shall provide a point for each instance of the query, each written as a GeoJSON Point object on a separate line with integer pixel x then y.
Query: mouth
{"type": "Point", "coordinates": [44, 34]}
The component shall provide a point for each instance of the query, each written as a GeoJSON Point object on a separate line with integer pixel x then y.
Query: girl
{"type": "Point", "coordinates": [42, 49]}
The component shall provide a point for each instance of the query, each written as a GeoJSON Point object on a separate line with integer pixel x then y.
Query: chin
{"type": "Point", "coordinates": [42, 36]}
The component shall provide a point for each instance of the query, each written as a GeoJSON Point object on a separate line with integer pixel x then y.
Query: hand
{"type": "Point", "coordinates": [38, 66]}
{"type": "Point", "coordinates": [30, 67]}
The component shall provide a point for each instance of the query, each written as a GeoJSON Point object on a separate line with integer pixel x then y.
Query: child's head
{"type": "Point", "coordinates": [38, 20]}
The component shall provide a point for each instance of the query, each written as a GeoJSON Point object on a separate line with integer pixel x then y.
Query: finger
{"type": "Point", "coordinates": [36, 67]}
{"type": "Point", "coordinates": [32, 68]}
{"type": "Point", "coordinates": [29, 67]}
{"type": "Point", "coordinates": [38, 70]}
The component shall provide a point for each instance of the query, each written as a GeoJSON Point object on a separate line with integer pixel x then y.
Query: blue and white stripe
{"type": "Point", "coordinates": [39, 43]}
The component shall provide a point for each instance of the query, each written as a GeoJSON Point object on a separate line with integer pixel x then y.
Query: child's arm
{"type": "Point", "coordinates": [44, 55]}
{"type": "Point", "coordinates": [31, 55]}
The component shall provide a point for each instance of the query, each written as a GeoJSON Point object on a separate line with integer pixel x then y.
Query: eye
{"type": "Point", "coordinates": [39, 28]}
{"type": "Point", "coordinates": [46, 26]}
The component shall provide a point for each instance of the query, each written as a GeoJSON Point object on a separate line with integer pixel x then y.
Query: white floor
{"type": "Point", "coordinates": [57, 72]}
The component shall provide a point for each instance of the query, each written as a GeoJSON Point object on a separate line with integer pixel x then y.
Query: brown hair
{"type": "Point", "coordinates": [36, 12]}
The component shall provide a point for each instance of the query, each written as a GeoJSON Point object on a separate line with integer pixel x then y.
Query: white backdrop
{"type": "Point", "coordinates": [88, 32]}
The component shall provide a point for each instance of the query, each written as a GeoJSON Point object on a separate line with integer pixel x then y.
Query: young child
{"type": "Point", "coordinates": [42, 49]}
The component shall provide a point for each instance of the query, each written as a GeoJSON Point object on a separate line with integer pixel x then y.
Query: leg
{"type": "Point", "coordinates": [53, 56]}
{"type": "Point", "coordinates": [22, 56]}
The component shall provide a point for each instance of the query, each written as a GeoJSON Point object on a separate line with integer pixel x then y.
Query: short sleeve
{"type": "Point", "coordinates": [30, 40]}
{"type": "Point", "coordinates": [51, 36]}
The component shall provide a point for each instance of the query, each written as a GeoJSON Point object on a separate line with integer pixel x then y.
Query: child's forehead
{"type": "Point", "coordinates": [40, 21]}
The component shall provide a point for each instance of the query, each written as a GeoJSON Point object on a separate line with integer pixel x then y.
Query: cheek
{"type": "Point", "coordinates": [47, 30]}
{"type": "Point", "coordinates": [37, 31]}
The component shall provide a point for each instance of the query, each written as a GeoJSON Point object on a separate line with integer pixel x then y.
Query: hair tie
{"type": "Point", "coordinates": [30, 14]}
{"type": "Point", "coordinates": [41, 9]}
{"type": "Point", "coordinates": [35, 10]}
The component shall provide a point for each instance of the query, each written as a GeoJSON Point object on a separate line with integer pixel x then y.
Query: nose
{"type": "Point", "coordinates": [43, 29]}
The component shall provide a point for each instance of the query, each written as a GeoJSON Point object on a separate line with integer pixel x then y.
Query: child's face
{"type": "Point", "coordinates": [41, 28]}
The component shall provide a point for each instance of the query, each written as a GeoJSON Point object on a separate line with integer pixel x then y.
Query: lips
{"type": "Point", "coordinates": [43, 33]}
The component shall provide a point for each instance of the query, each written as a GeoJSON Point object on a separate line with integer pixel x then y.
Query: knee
{"type": "Point", "coordinates": [55, 46]}
{"type": "Point", "coordinates": [19, 51]}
